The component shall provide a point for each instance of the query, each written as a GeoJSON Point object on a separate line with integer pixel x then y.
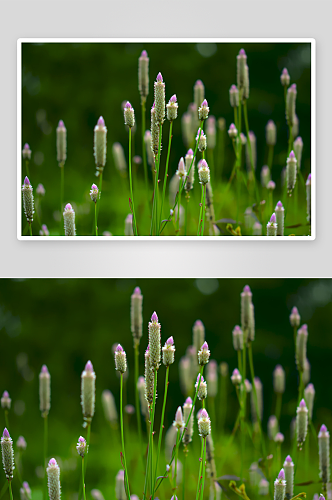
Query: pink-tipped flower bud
{"type": "Point", "coordinates": [53, 480]}
{"type": "Point", "coordinates": [6, 401]}
{"type": "Point", "coordinates": [298, 147]}
{"type": "Point", "coordinates": [324, 454]}
{"type": "Point", "coordinates": [301, 347]}
{"type": "Point", "coordinates": [128, 229]}
{"type": "Point", "coordinates": [120, 491]}
{"type": "Point", "coordinates": [172, 109]}
{"type": "Point", "coordinates": [168, 352]}
{"type": "Point", "coordinates": [201, 139]}
{"type": "Point", "coordinates": [280, 217]}
{"type": "Point", "coordinates": [94, 191]}
{"type": "Point", "coordinates": [294, 317]}
{"type": "Point", "coordinates": [271, 185]}
{"type": "Point", "coordinates": [289, 476]}
{"type": "Point", "coordinates": [155, 341]}
{"type": "Point", "coordinates": [44, 391]}
{"type": "Point", "coordinates": [159, 99]}
{"type": "Point", "coordinates": [246, 86]}
{"type": "Point", "coordinates": [149, 377]}
{"type": "Point", "coordinates": [236, 377]}
{"type": "Point", "coordinates": [201, 387]}
{"type": "Point", "coordinates": [241, 69]}
{"type": "Point", "coordinates": [232, 131]}
{"type": "Point", "coordinates": [7, 454]}
{"type": "Point", "coordinates": [309, 394]}
{"type": "Point", "coordinates": [290, 104]}
{"type": "Point", "coordinates": [280, 486]}
{"type": "Point", "coordinates": [40, 190]}
{"type": "Point", "coordinates": [120, 358]}
{"type": "Point", "coordinates": [203, 110]}
{"type": "Point", "coordinates": [136, 315]}
{"type": "Point", "coordinates": [204, 424]}
{"type": "Point", "coordinates": [129, 115]}
{"type": "Point", "coordinates": [28, 200]}
{"type": "Point", "coordinates": [279, 438]}
{"type": "Point", "coordinates": [279, 380]}
{"type": "Point", "coordinates": [181, 171]}
{"type": "Point", "coordinates": [204, 173]}
{"type": "Point", "coordinates": [21, 443]}
{"type": "Point", "coordinates": [234, 96]}
{"type": "Point", "coordinates": [301, 423]}
{"type": "Point", "coordinates": [285, 78]}
{"type": "Point", "coordinates": [291, 172]}
{"type": "Point", "coordinates": [271, 228]}
{"type": "Point", "coordinates": [143, 75]}
{"type": "Point", "coordinates": [61, 143]}
{"type": "Point", "coordinates": [237, 338]}
{"type": "Point", "coordinates": [100, 139]}
{"type": "Point", "coordinates": [109, 407]}
{"type": "Point", "coordinates": [189, 429]}
{"type": "Point", "coordinates": [154, 131]}
{"type": "Point", "coordinates": [26, 152]}
{"type": "Point", "coordinates": [178, 422]}
{"type": "Point", "coordinates": [25, 491]}
{"type": "Point", "coordinates": [308, 196]}
{"type": "Point", "coordinates": [271, 133]}
{"type": "Point", "coordinates": [190, 169]}
{"type": "Point", "coordinates": [199, 93]}
{"type": "Point", "coordinates": [69, 220]}
{"type": "Point", "coordinates": [246, 298]}
{"type": "Point", "coordinates": [81, 447]}
{"type": "Point", "coordinates": [198, 335]}
{"type": "Point", "coordinates": [88, 393]}
{"type": "Point", "coordinates": [204, 354]}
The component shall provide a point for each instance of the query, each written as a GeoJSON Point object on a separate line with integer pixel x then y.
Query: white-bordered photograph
{"type": "Point", "coordinates": [172, 138]}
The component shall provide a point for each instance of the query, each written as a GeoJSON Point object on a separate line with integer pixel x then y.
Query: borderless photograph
{"type": "Point", "coordinates": [166, 138]}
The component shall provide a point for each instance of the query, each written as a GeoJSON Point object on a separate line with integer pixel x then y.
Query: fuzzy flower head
{"type": "Point", "coordinates": [203, 110]}
{"type": "Point", "coordinates": [285, 78]}
{"type": "Point", "coordinates": [94, 193]}
{"type": "Point", "coordinates": [100, 139]}
{"type": "Point", "coordinates": [143, 75]}
{"type": "Point", "coordinates": [246, 301]}
{"type": "Point", "coordinates": [271, 185]}
{"type": "Point", "coordinates": [181, 171]}
{"type": "Point", "coordinates": [204, 424]}
{"type": "Point", "coordinates": [21, 444]}
{"type": "Point", "coordinates": [81, 447]}
{"type": "Point", "coordinates": [201, 139]}
{"type": "Point", "coordinates": [294, 317]}
{"type": "Point", "coordinates": [44, 391]}
{"type": "Point", "coordinates": [271, 133]}
{"type": "Point", "coordinates": [26, 152]}
{"type": "Point", "coordinates": [272, 226]}
{"type": "Point", "coordinates": [129, 115]}
{"type": "Point", "coordinates": [53, 480]}
{"type": "Point", "coordinates": [290, 105]}
{"type": "Point", "coordinates": [190, 169]}
{"type": "Point", "coordinates": [136, 315]}
{"type": "Point", "coordinates": [199, 92]}
{"type": "Point", "coordinates": [168, 352]}
{"type": "Point", "coordinates": [69, 220]}
{"type": "Point", "coordinates": [324, 454]}
{"type": "Point", "coordinates": [189, 430]}
{"type": "Point", "coordinates": [241, 69]}
{"type": "Point", "coordinates": [301, 347]}
{"type": "Point", "coordinates": [280, 486]}
{"type": "Point", "coordinates": [172, 109]}
{"type": "Point", "coordinates": [279, 380]}
{"type": "Point", "coordinates": [204, 354]}
{"type": "Point", "coordinates": [236, 377]}
{"type": "Point", "coordinates": [204, 173]}
{"type": "Point", "coordinates": [7, 454]}
{"type": "Point", "coordinates": [88, 392]}
{"type": "Point", "coordinates": [291, 172]}
{"type": "Point", "coordinates": [28, 200]}
{"type": "Point", "coordinates": [5, 401]}
{"type": "Point", "coordinates": [159, 99]}
{"type": "Point", "coordinates": [155, 341]}
{"type": "Point", "coordinates": [232, 131]}
{"type": "Point", "coordinates": [201, 387]}
{"type": "Point", "coordinates": [279, 438]}
{"type": "Point", "coordinates": [237, 338]}
{"type": "Point", "coordinates": [234, 96]}
{"type": "Point", "coordinates": [120, 359]}
{"type": "Point", "coordinates": [128, 229]}
{"type": "Point", "coordinates": [61, 143]}
{"type": "Point", "coordinates": [178, 422]}
{"type": "Point", "coordinates": [301, 423]}
{"type": "Point", "coordinates": [40, 190]}
{"type": "Point", "coordinates": [25, 491]}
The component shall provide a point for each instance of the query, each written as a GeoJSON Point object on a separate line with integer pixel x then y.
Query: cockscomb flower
{"type": "Point", "coordinates": [204, 424]}
{"type": "Point", "coordinates": [246, 82]}
{"type": "Point", "coordinates": [232, 131]}
{"type": "Point", "coordinates": [189, 430]}
{"type": "Point", "coordinates": [181, 171]}
{"type": "Point", "coordinates": [28, 200]}
{"type": "Point", "coordinates": [21, 444]}
{"type": "Point", "coordinates": [201, 388]}
{"type": "Point", "coordinates": [100, 138]}
{"type": "Point", "coordinates": [120, 492]}
{"type": "Point", "coordinates": [271, 185]}
{"type": "Point", "coordinates": [241, 68]}
{"type": "Point", "coordinates": [44, 391]}
{"type": "Point", "coordinates": [69, 220]}
{"type": "Point", "coordinates": [271, 133]}
{"type": "Point", "coordinates": [201, 139]}
{"type": "Point", "coordinates": [298, 147]}
{"type": "Point", "coordinates": [309, 394]}
{"type": "Point", "coordinates": [204, 354]}
{"type": "Point", "coordinates": [308, 196]}
{"type": "Point", "coordinates": [280, 486]}
{"type": "Point", "coordinates": [204, 173]}
{"type": "Point", "coordinates": [136, 315]}
{"type": "Point", "coordinates": [324, 454]}
{"type": "Point", "coordinates": [81, 447]}
{"type": "Point", "coordinates": [128, 229]}
{"type": "Point", "coordinates": [289, 476]}
{"type": "Point", "coordinates": [109, 406]}
{"type": "Point", "coordinates": [263, 487]}
{"type": "Point", "coordinates": [159, 99]}
{"type": "Point", "coordinates": [94, 193]}
{"type": "Point", "coordinates": [7, 454]}
{"type": "Point", "coordinates": [199, 92]}
{"type": "Point", "coordinates": [280, 217]}
{"type": "Point", "coordinates": [203, 110]}
{"type": "Point", "coordinates": [190, 169]}
{"type": "Point", "coordinates": [154, 341]}
{"type": "Point", "coordinates": [279, 380]}
{"type": "Point", "coordinates": [61, 143]}
{"type": "Point", "coordinates": [301, 347]}
{"type": "Point", "coordinates": [294, 317]}
{"type": "Point", "coordinates": [25, 491]}
{"type": "Point", "coordinates": [257, 229]}
{"type": "Point", "coordinates": [272, 226]}
{"type": "Point", "coordinates": [143, 75]}
{"type": "Point", "coordinates": [198, 335]}
{"type": "Point", "coordinates": [301, 423]}
{"type": "Point", "coordinates": [172, 109]}
{"type": "Point", "coordinates": [236, 377]}
{"type": "Point", "coordinates": [246, 298]}
{"type": "Point", "coordinates": [154, 131]}
{"type": "Point", "coordinates": [129, 115]}
{"type": "Point", "coordinates": [279, 438]}
{"type": "Point", "coordinates": [237, 338]}
{"type": "Point", "coordinates": [44, 230]}
{"type": "Point", "coordinates": [40, 190]}
{"type": "Point", "coordinates": [178, 422]}
{"type": "Point", "coordinates": [88, 392]}
{"type": "Point", "coordinates": [290, 104]}
{"type": "Point", "coordinates": [5, 401]}
{"type": "Point", "coordinates": [168, 352]}
{"type": "Point", "coordinates": [285, 78]}
{"type": "Point", "coordinates": [120, 359]}
{"type": "Point", "coordinates": [149, 377]}
{"type": "Point", "coordinates": [26, 152]}
{"type": "Point", "coordinates": [291, 172]}
{"type": "Point", "coordinates": [234, 96]}
{"type": "Point", "coordinates": [53, 480]}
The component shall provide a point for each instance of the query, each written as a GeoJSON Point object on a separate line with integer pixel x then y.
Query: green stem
{"type": "Point", "coordinates": [150, 448]}
{"type": "Point", "coordinates": [200, 470]}
{"type": "Point", "coordinates": [185, 451]}
{"type": "Point", "coordinates": [166, 171]}
{"type": "Point", "coordinates": [122, 440]}
{"type": "Point", "coordinates": [200, 213]}
{"type": "Point", "coordinates": [162, 421]}
{"type": "Point", "coordinates": [176, 460]}
{"type": "Point", "coordinates": [138, 409]}
{"type": "Point", "coordinates": [45, 454]}
{"type": "Point", "coordinates": [27, 167]}
{"type": "Point", "coordinates": [99, 195]}
{"type": "Point", "coordinates": [270, 158]}
{"type": "Point", "coordinates": [7, 420]}
{"type": "Point", "coordinates": [62, 189]}
{"type": "Point", "coordinates": [278, 406]}
{"type": "Point", "coordinates": [245, 113]}
{"type": "Point", "coordinates": [96, 219]}
{"type": "Point", "coordinates": [131, 186]}
{"type": "Point", "coordinates": [83, 483]}
{"type": "Point", "coordinates": [144, 151]}
{"type": "Point", "coordinates": [204, 469]}
{"type": "Point", "coordinates": [10, 490]}
{"type": "Point", "coordinates": [203, 210]}
{"type": "Point", "coordinates": [30, 229]}
{"type": "Point", "coordinates": [186, 214]}
{"type": "Point", "coordinates": [178, 221]}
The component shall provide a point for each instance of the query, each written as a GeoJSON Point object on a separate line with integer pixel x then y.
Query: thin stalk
{"type": "Point", "coordinates": [27, 167]}
{"type": "Point", "coordinates": [278, 406]}
{"type": "Point", "coordinates": [83, 483]}
{"type": "Point", "coordinates": [200, 470]}
{"type": "Point", "coordinates": [270, 158]}
{"type": "Point", "coordinates": [144, 150]}
{"type": "Point", "coordinates": [45, 455]}
{"type": "Point", "coordinates": [204, 469]}
{"type": "Point", "coordinates": [96, 227]}
{"type": "Point", "coordinates": [185, 451]}
{"type": "Point", "coordinates": [239, 361]}
{"type": "Point", "coordinates": [162, 421]}
{"type": "Point", "coordinates": [7, 420]}
{"type": "Point", "coordinates": [203, 210]}
{"type": "Point", "coordinates": [301, 387]}
{"type": "Point", "coordinates": [62, 189]}
{"type": "Point", "coordinates": [245, 113]}
{"type": "Point", "coordinates": [178, 221]}
{"type": "Point", "coordinates": [100, 188]}
{"type": "Point", "coordinates": [131, 186]}
{"type": "Point", "coordinates": [176, 460]}
{"type": "Point", "coordinates": [186, 214]}
{"type": "Point", "coordinates": [138, 409]}
{"type": "Point", "coordinates": [10, 490]}
{"type": "Point", "coordinates": [149, 459]}
{"type": "Point", "coordinates": [166, 170]}
{"type": "Point", "coordinates": [30, 229]}
{"type": "Point", "coordinates": [200, 213]}
{"type": "Point", "coordinates": [122, 440]}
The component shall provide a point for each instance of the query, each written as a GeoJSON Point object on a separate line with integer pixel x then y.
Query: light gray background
{"type": "Point", "coordinates": [75, 18]}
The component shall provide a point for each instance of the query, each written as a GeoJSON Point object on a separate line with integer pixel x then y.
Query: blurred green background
{"type": "Point", "coordinates": [78, 82]}
{"type": "Point", "coordinates": [65, 322]}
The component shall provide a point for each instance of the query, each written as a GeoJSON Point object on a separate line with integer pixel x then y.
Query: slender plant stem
{"type": "Point", "coordinates": [131, 186]}
{"type": "Point", "coordinates": [122, 440]}
{"type": "Point", "coordinates": [278, 406]}
{"type": "Point", "coordinates": [83, 483]}
{"type": "Point", "coordinates": [45, 454]}
{"type": "Point", "coordinates": [176, 460]}
{"type": "Point", "coordinates": [27, 167]}
{"type": "Point", "coordinates": [10, 490]}
{"type": "Point", "coordinates": [270, 158]}
{"type": "Point", "coordinates": [162, 421]}
{"type": "Point", "coordinates": [204, 469]}
{"type": "Point", "coordinates": [200, 213]}
{"type": "Point", "coordinates": [7, 420]}
{"type": "Point", "coordinates": [96, 227]}
{"type": "Point", "coordinates": [186, 213]}
{"type": "Point", "coordinates": [99, 195]}
{"type": "Point", "coordinates": [144, 150]}
{"type": "Point", "coordinates": [166, 170]}
{"type": "Point", "coordinates": [138, 409]}
{"type": "Point", "coordinates": [178, 221]}
{"type": "Point", "coordinates": [185, 451]}
{"type": "Point", "coordinates": [200, 470]}
{"type": "Point", "coordinates": [203, 209]}
{"type": "Point", "coordinates": [30, 228]}
{"type": "Point", "coordinates": [245, 113]}
{"type": "Point", "coordinates": [150, 451]}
